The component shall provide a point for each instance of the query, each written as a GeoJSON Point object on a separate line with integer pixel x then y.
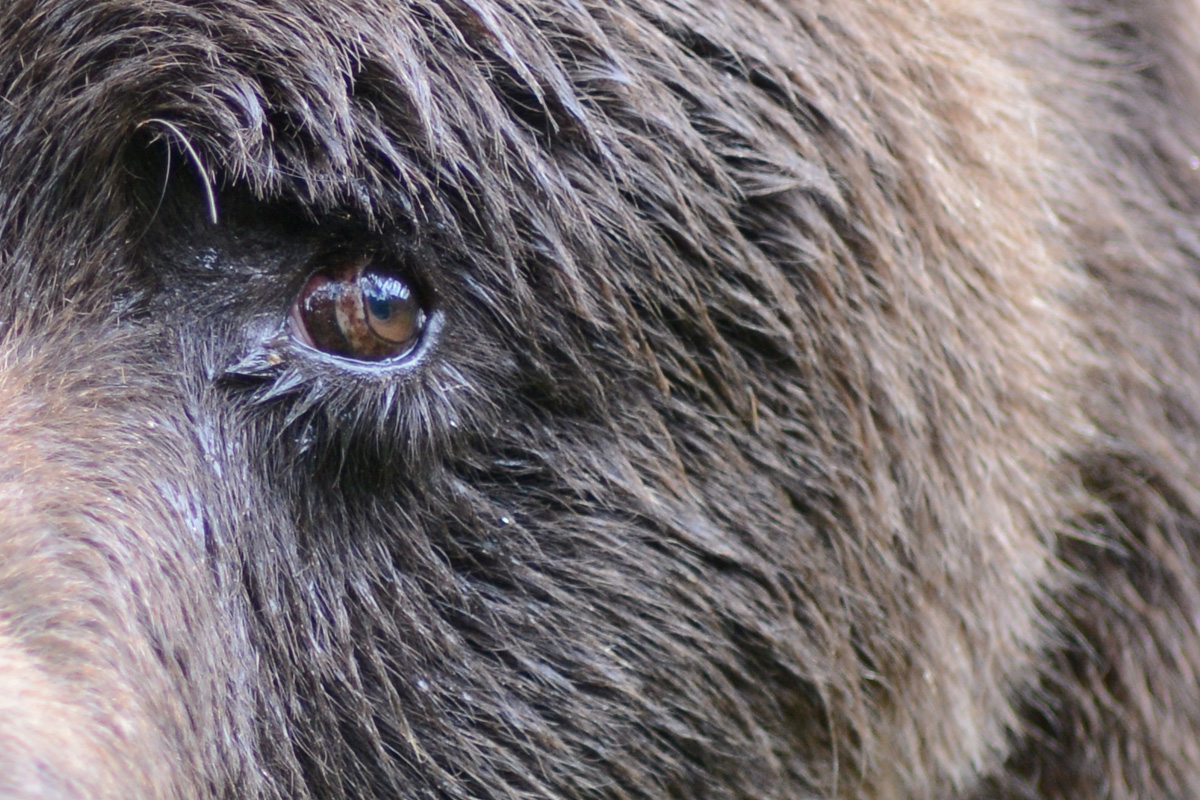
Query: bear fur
{"type": "Point", "coordinates": [809, 408]}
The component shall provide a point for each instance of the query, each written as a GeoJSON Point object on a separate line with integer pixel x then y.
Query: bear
{"type": "Point", "coordinates": [599, 399]}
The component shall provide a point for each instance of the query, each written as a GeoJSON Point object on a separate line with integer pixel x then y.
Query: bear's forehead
{"type": "Point", "coordinates": [410, 95]}
{"type": "Point", "coordinates": [566, 133]}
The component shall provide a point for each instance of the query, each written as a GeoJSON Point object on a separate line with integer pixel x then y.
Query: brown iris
{"type": "Point", "coordinates": [358, 310]}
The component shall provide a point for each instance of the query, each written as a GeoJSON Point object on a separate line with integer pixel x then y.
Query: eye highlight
{"type": "Point", "coordinates": [357, 309]}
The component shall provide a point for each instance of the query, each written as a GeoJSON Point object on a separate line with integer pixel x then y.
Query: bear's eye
{"type": "Point", "coordinates": [356, 309]}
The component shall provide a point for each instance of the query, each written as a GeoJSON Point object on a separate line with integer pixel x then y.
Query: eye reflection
{"type": "Point", "coordinates": [358, 310]}
{"type": "Point", "coordinates": [392, 313]}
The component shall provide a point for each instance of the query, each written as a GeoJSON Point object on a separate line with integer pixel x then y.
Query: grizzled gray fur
{"type": "Point", "coordinates": [807, 403]}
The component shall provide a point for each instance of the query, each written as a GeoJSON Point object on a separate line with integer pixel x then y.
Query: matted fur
{"type": "Point", "coordinates": [813, 409]}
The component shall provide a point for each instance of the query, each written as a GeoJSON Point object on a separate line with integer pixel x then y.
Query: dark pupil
{"type": "Point", "coordinates": [383, 293]}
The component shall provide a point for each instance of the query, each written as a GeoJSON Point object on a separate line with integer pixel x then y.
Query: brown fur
{"type": "Point", "coordinates": [813, 409]}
